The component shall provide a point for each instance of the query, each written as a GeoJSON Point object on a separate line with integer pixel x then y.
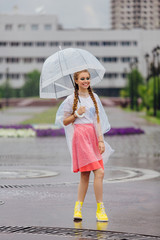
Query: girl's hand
{"type": "Point", "coordinates": [81, 110]}
{"type": "Point", "coordinates": [101, 147]}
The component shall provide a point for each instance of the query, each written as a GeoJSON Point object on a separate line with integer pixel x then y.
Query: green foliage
{"type": "Point", "coordinates": [31, 86]}
{"type": "Point", "coordinates": [133, 89]}
{"type": "Point", "coordinates": [6, 91]}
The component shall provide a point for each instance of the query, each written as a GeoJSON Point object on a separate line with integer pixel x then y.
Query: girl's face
{"type": "Point", "coordinates": [83, 81]}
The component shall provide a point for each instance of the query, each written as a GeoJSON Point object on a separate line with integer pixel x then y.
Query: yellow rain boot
{"type": "Point", "coordinates": [77, 211]}
{"type": "Point", "coordinates": [101, 216]}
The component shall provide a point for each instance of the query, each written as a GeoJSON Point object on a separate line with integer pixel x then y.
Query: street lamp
{"type": "Point", "coordinates": [158, 75]}
{"type": "Point", "coordinates": [136, 84]}
{"type": "Point", "coordinates": [131, 87]}
{"type": "Point", "coordinates": [7, 86]}
{"type": "Point", "coordinates": [154, 82]}
{"type": "Point", "coordinates": [148, 73]}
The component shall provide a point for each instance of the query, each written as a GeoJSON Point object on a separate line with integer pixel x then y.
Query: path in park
{"type": "Point", "coordinates": [38, 189]}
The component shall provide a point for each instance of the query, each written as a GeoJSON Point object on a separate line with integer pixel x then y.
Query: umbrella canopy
{"type": "Point", "coordinates": [58, 69]}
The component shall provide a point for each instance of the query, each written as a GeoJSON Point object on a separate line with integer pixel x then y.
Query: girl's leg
{"type": "Point", "coordinates": [98, 184]}
{"type": "Point", "coordinates": [83, 186]}
{"type": "Point", "coordinates": [98, 189]}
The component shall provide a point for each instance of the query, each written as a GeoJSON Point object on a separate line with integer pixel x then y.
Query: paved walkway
{"type": "Point", "coordinates": [38, 188]}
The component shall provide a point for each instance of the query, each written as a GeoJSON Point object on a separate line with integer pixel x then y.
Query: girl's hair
{"type": "Point", "coordinates": [90, 91]}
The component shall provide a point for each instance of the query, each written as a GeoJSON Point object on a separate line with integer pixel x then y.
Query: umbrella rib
{"type": "Point", "coordinates": [87, 63]}
{"type": "Point", "coordinates": [60, 63]}
{"type": "Point", "coordinates": [55, 90]}
{"type": "Point", "coordinates": [58, 84]}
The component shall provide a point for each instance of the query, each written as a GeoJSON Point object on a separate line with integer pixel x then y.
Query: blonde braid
{"type": "Point", "coordinates": [95, 102]}
{"type": "Point", "coordinates": [75, 103]}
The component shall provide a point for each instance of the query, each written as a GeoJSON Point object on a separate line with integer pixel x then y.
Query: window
{"type": "Point", "coordinates": [8, 27]}
{"type": "Point", "coordinates": [2, 44]}
{"type": "Point", "coordinates": [123, 75]}
{"type": "Point", "coordinates": [125, 59]}
{"type": "Point", "coordinates": [109, 43]}
{"type": "Point", "coordinates": [14, 44]}
{"type": "Point", "coordinates": [40, 60]}
{"type": "Point", "coordinates": [14, 75]}
{"type": "Point", "coordinates": [135, 43]}
{"type": "Point", "coordinates": [125, 43]}
{"type": "Point", "coordinates": [34, 26]}
{"type": "Point", "coordinates": [40, 44]}
{"type": "Point", "coordinates": [12, 60]}
{"type": "Point", "coordinates": [28, 60]}
{"type": "Point", "coordinates": [47, 26]}
{"type": "Point", "coordinates": [27, 44]}
{"type": "Point", "coordinates": [111, 75]}
{"type": "Point", "coordinates": [109, 59]}
{"type": "Point", "coordinates": [94, 43]}
{"type": "Point", "coordinates": [67, 43]}
{"type": "Point", "coordinates": [53, 44]}
{"type": "Point", "coordinates": [21, 27]}
{"type": "Point", "coordinates": [80, 43]}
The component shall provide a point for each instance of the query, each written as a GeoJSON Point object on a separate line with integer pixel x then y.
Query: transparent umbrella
{"type": "Point", "coordinates": [56, 79]}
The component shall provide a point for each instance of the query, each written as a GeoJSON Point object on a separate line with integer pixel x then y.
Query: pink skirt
{"type": "Point", "coordinates": [85, 152]}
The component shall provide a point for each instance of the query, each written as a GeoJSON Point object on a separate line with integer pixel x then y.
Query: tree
{"type": "Point", "coordinates": [134, 80]}
{"type": "Point", "coordinates": [31, 86]}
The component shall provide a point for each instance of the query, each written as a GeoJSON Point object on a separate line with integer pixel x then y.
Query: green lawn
{"type": "Point", "coordinates": [46, 117]}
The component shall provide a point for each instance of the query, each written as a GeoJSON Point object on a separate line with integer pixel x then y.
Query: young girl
{"type": "Point", "coordinates": [85, 122]}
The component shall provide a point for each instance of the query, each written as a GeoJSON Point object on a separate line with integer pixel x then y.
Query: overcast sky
{"type": "Point", "coordinates": [70, 13]}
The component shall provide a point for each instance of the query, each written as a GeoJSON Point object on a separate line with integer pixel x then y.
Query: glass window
{"type": "Point", "coordinates": [47, 26]}
{"type": "Point", "coordinates": [109, 59]}
{"type": "Point", "coordinates": [28, 60]}
{"type": "Point", "coordinates": [111, 75]}
{"type": "Point", "coordinates": [40, 60]}
{"type": "Point", "coordinates": [54, 43]}
{"type": "Point", "coordinates": [3, 44]}
{"type": "Point", "coordinates": [14, 44]}
{"type": "Point", "coordinates": [109, 43]}
{"type": "Point", "coordinates": [12, 60]}
{"type": "Point", "coordinates": [94, 43]}
{"type": "Point", "coordinates": [67, 43]}
{"type": "Point", "coordinates": [125, 43]}
{"type": "Point", "coordinates": [1, 75]}
{"type": "Point", "coordinates": [8, 27]}
{"type": "Point", "coordinates": [40, 44]}
{"type": "Point", "coordinates": [21, 27]}
{"type": "Point", "coordinates": [34, 26]}
{"type": "Point", "coordinates": [125, 59]}
{"type": "Point", "coordinates": [80, 43]}
{"type": "Point", "coordinates": [135, 43]}
{"type": "Point", "coordinates": [27, 44]}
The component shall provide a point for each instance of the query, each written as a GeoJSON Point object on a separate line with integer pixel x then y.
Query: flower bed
{"type": "Point", "coordinates": [52, 131]}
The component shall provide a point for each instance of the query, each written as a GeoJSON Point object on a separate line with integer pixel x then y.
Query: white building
{"type": "Point", "coordinates": [27, 40]}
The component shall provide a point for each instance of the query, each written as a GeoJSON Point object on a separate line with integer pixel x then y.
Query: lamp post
{"type": "Point", "coordinates": [154, 83]}
{"type": "Point", "coordinates": [136, 84]}
{"type": "Point", "coordinates": [147, 77]}
{"type": "Point", "coordinates": [7, 85]}
{"type": "Point", "coordinates": [131, 87]}
{"type": "Point", "coordinates": [158, 75]}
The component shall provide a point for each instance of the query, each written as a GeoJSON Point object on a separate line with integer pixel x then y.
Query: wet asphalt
{"type": "Point", "coordinates": [37, 187]}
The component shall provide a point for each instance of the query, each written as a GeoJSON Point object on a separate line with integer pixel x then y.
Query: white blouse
{"type": "Point", "coordinates": [86, 102]}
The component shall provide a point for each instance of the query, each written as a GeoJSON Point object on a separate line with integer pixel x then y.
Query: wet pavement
{"type": "Point", "coordinates": [38, 190]}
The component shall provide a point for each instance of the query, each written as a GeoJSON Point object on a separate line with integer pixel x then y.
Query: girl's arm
{"type": "Point", "coordinates": [71, 118]}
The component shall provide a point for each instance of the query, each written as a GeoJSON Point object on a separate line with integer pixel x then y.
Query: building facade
{"type": "Point", "coordinates": [128, 14]}
{"type": "Point", "coordinates": [27, 40]}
